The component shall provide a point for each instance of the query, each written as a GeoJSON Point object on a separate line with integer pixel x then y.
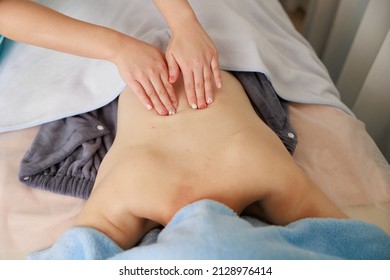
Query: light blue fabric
{"type": "Point", "coordinates": [1, 43]}
{"type": "Point", "coordinates": [209, 230]}
{"type": "Point", "coordinates": [39, 86]}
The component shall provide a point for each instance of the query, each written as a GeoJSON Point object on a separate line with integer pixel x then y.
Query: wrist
{"type": "Point", "coordinates": [182, 21]}
{"type": "Point", "coordinates": [114, 44]}
{"type": "Point", "coordinates": [177, 13]}
{"type": "Point", "coordinates": [185, 25]}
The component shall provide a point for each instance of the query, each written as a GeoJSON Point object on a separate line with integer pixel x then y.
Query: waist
{"type": "Point", "coordinates": [231, 113]}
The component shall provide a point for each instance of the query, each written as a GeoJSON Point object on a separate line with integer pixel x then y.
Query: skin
{"type": "Point", "coordinates": [192, 52]}
{"type": "Point", "coordinates": [225, 153]}
{"type": "Point", "coordinates": [149, 73]}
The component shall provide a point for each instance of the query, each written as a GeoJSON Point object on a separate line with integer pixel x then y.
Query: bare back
{"type": "Point", "coordinates": [157, 165]}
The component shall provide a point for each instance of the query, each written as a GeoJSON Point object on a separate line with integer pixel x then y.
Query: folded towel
{"type": "Point", "coordinates": [1, 41]}
{"type": "Point", "coordinates": [38, 85]}
{"type": "Point", "coordinates": [210, 230]}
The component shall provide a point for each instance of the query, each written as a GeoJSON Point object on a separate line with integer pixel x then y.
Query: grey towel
{"type": "Point", "coordinates": [66, 154]}
{"type": "Point", "coordinates": [272, 109]}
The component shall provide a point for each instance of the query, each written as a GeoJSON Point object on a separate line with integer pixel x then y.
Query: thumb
{"type": "Point", "coordinates": [173, 68]}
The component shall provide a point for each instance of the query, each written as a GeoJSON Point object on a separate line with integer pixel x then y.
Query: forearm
{"type": "Point", "coordinates": [31, 23]}
{"type": "Point", "coordinates": [177, 13]}
{"type": "Point", "coordinates": [106, 212]}
{"type": "Point", "coordinates": [142, 66]}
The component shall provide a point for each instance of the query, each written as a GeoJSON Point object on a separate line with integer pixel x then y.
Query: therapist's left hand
{"type": "Point", "coordinates": [192, 52]}
{"type": "Point", "coordinates": [143, 68]}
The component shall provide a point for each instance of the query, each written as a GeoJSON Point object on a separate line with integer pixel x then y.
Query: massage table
{"type": "Point", "coordinates": [334, 148]}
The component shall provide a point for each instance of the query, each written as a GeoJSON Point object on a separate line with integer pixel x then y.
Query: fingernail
{"type": "Point", "coordinates": [149, 107]}
{"type": "Point", "coordinates": [163, 112]}
{"type": "Point", "coordinates": [175, 105]}
{"type": "Point", "coordinates": [194, 106]}
{"type": "Point", "coordinates": [209, 100]}
{"type": "Point", "coordinates": [171, 112]}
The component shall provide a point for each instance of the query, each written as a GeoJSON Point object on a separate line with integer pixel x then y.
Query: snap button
{"type": "Point", "coordinates": [26, 178]}
{"type": "Point", "coordinates": [100, 127]}
{"type": "Point", "coordinates": [291, 135]}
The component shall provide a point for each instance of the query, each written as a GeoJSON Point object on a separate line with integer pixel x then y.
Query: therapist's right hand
{"type": "Point", "coordinates": [144, 69]}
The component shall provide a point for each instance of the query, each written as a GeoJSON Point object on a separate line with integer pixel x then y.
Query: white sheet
{"type": "Point", "coordinates": [38, 85]}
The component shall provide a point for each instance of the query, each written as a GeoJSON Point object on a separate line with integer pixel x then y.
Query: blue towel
{"type": "Point", "coordinates": [209, 230]}
{"type": "Point", "coordinates": [1, 41]}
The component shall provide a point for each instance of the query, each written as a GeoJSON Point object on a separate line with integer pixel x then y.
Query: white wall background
{"type": "Point", "coordinates": [352, 37]}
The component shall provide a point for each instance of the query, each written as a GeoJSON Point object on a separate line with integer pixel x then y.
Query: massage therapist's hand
{"type": "Point", "coordinates": [144, 69]}
{"type": "Point", "coordinates": [192, 52]}
{"type": "Point", "coordinates": [142, 66]}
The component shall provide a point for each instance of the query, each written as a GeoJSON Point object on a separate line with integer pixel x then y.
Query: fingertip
{"type": "Point", "coordinates": [172, 78]}
{"type": "Point", "coordinates": [173, 73]}
{"type": "Point", "coordinates": [173, 69]}
{"type": "Point", "coordinates": [219, 84]}
{"type": "Point", "coordinates": [163, 112]}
